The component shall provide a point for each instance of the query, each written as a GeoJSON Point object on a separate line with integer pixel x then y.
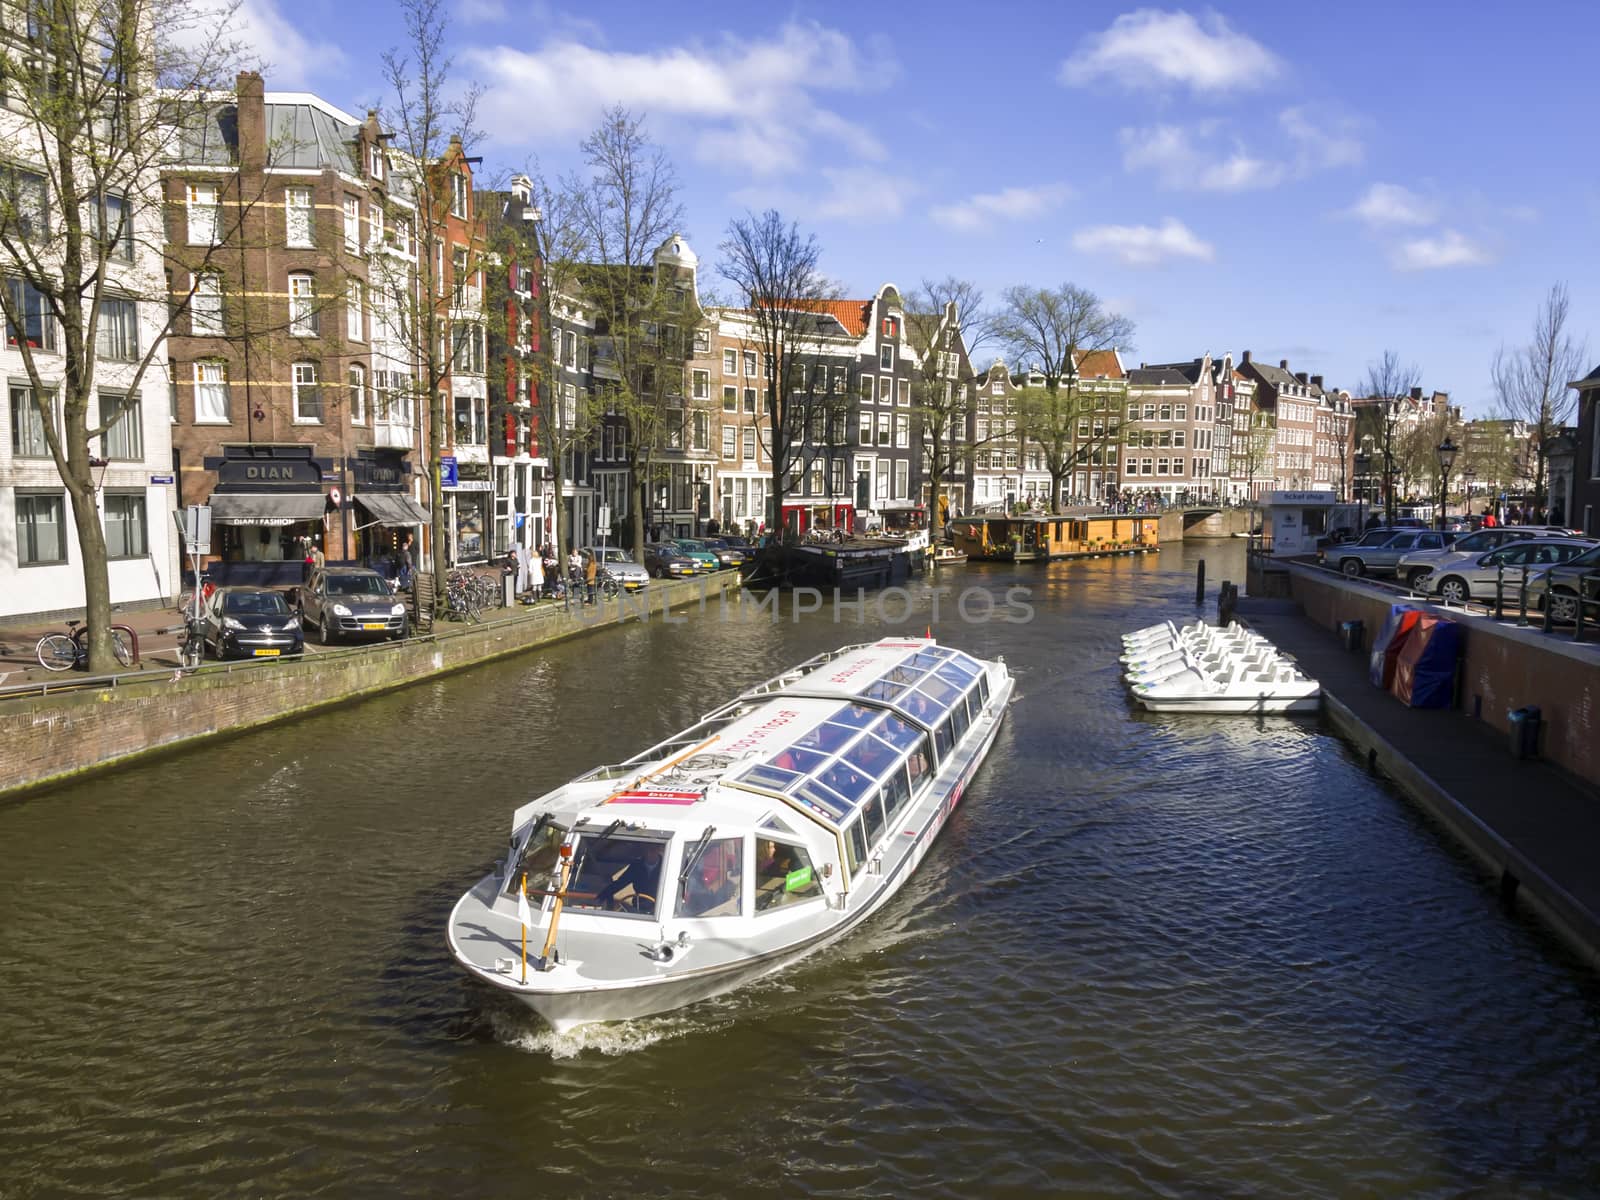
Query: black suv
{"type": "Point", "coordinates": [351, 602]}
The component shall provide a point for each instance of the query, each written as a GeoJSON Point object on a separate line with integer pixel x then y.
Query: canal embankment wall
{"type": "Point", "coordinates": [60, 735]}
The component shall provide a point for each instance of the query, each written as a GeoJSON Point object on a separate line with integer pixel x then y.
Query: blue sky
{"type": "Point", "coordinates": [1317, 183]}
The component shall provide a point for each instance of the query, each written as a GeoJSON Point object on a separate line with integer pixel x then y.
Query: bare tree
{"type": "Point", "coordinates": [773, 270]}
{"type": "Point", "coordinates": [1530, 382]}
{"type": "Point", "coordinates": [946, 323]}
{"type": "Point", "coordinates": [1389, 383]}
{"type": "Point", "coordinates": [97, 93]}
{"type": "Point", "coordinates": [432, 119]}
{"type": "Point", "coordinates": [1045, 333]}
{"type": "Point", "coordinates": [625, 212]}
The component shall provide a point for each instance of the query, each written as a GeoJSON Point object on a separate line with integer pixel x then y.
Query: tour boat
{"type": "Point", "coordinates": [1201, 668]}
{"type": "Point", "coordinates": [772, 827]}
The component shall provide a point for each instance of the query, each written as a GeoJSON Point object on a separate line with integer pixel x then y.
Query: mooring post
{"type": "Point", "coordinates": [1200, 583]}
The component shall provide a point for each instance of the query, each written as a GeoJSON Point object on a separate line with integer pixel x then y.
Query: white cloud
{"type": "Point", "coordinates": [1449, 249]}
{"type": "Point", "coordinates": [1010, 204]}
{"type": "Point", "coordinates": [1144, 245]}
{"type": "Point", "coordinates": [1150, 48]}
{"type": "Point", "coordinates": [746, 104]}
{"type": "Point", "coordinates": [287, 59]}
{"type": "Point", "coordinates": [1391, 204]}
{"type": "Point", "coordinates": [853, 195]}
{"type": "Point", "coordinates": [473, 12]}
{"type": "Point", "coordinates": [1205, 157]}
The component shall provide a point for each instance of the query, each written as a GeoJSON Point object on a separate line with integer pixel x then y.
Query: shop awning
{"type": "Point", "coordinates": [266, 508]}
{"type": "Point", "coordinates": [393, 508]}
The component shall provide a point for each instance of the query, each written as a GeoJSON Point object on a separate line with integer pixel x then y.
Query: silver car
{"type": "Point", "coordinates": [1414, 564]}
{"type": "Point", "coordinates": [621, 565]}
{"type": "Point", "coordinates": [1381, 559]}
{"type": "Point", "coordinates": [1477, 577]}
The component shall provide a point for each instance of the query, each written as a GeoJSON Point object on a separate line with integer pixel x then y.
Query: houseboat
{"type": "Point", "coordinates": [1034, 538]}
{"type": "Point", "coordinates": [775, 825]}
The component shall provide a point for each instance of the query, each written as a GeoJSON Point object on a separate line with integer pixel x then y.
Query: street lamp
{"type": "Point", "coordinates": [1467, 478]}
{"type": "Point", "coordinates": [1446, 450]}
{"type": "Point", "coordinates": [1363, 463]}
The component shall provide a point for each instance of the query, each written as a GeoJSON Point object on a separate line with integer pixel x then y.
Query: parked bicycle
{"type": "Point", "coordinates": [64, 651]}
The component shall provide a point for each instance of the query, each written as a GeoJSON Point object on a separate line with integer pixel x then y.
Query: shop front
{"type": "Point", "coordinates": [268, 514]}
{"type": "Point", "coordinates": [902, 516]}
{"type": "Point", "coordinates": [386, 511]}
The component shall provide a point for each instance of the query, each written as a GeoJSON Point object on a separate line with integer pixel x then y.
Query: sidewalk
{"type": "Point", "coordinates": [1536, 825]}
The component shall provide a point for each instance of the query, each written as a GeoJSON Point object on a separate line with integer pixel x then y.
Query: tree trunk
{"type": "Point", "coordinates": [558, 506]}
{"type": "Point", "coordinates": [436, 471]}
{"type": "Point", "coordinates": [96, 580]}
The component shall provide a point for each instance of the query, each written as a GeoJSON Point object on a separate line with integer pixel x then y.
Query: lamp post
{"type": "Point", "coordinates": [1446, 450]}
{"type": "Point", "coordinates": [1467, 478]}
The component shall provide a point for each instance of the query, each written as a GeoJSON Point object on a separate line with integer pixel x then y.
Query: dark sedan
{"type": "Point", "coordinates": [242, 622]}
{"type": "Point", "coordinates": [727, 553]}
{"type": "Point", "coordinates": [664, 561]}
{"type": "Point", "coordinates": [351, 602]}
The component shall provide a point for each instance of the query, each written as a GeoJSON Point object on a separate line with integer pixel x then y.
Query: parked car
{"type": "Point", "coordinates": [727, 554]}
{"type": "Point", "coordinates": [741, 543]}
{"type": "Point", "coordinates": [620, 563]}
{"type": "Point", "coordinates": [351, 602]}
{"type": "Point", "coordinates": [665, 561]}
{"type": "Point", "coordinates": [1463, 581]}
{"type": "Point", "coordinates": [1560, 587]}
{"type": "Point", "coordinates": [700, 552]}
{"type": "Point", "coordinates": [247, 622]}
{"type": "Point", "coordinates": [1377, 555]}
{"type": "Point", "coordinates": [1414, 564]}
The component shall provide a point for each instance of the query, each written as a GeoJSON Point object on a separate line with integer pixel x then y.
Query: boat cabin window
{"type": "Point", "coordinates": [855, 846]}
{"type": "Point", "coordinates": [712, 886]}
{"type": "Point", "coordinates": [871, 757]}
{"type": "Point", "coordinates": [919, 767]}
{"type": "Point", "coordinates": [943, 740]}
{"type": "Point", "coordinates": [959, 720]}
{"type": "Point", "coordinates": [617, 875]}
{"type": "Point", "coordinates": [872, 819]}
{"type": "Point", "coordinates": [774, 821]}
{"type": "Point", "coordinates": [885, 691]}
{"type": "Point", "coordinates": [846, 780]}
{"type": "Point", "coordinates": [857, 715]}
{"type": "Point", "coordinates": [536, 858]}
{"type": "Point", "coordinates": [983, 690]}
{"type": "Point", "coordinates": [896, 792]}
{"type": "Point", "coordinates": [784, 875]}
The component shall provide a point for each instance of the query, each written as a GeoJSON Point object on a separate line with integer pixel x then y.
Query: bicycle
{"type": "Point", "coordinates": [191, 643]}
{"type": "Point", "coordinates": [64, 651]}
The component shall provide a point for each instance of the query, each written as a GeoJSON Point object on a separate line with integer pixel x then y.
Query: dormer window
{"type": "Point", "coordinates": [375, 162]}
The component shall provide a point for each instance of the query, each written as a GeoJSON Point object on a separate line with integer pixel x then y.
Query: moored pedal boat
{"type": "Point", "coordinates": [1200, 668]}
{"type": "Point", "coordinates": [772, 827]}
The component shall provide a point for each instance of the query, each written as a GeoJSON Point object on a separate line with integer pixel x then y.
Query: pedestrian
{"type": "Point", "coordinates": [524, 573]}
{"type": "Point", "coordinates": [536, 575]}
{"type": "Point", "coordinates": [407, 568]}
{"type": "Point", "coordinates": [1488, 519]}
{"type": "Point", "coordinates": [591, 569]}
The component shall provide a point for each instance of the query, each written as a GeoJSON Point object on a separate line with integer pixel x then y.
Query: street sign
{"type": "Point", "coordinates": [449, 473]}
{"type": "Point", "coordinates": [194, 527]}
{"type": "Point", "coordinates": [603, 518]}
{"type": "Point", "coordinates": [161, 479]}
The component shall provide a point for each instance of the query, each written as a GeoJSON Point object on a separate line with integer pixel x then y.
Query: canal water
{"type": "Point", "coordinates": [1149, 956]}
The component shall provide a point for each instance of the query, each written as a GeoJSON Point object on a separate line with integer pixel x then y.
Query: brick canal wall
{"type": "Point", "coordinates": [1503, 667]}
{"type": "Point", "coordinates": [55, 737]}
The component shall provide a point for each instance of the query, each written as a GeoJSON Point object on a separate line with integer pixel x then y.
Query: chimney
{"type": "Point", "coordinates": [1416, 393]}
{"type": "Point", "coordinates": [1316, 380]}
{"type": "Point", "coordinates": [1302, 377]}
{"type": "Point", "coordinates": [1244, 358]}
{"type": "Point", "coordinates": [250, 97]}
{"type": "Point", "coordinates": [522, 188]}
{"type": "Point", "coordinates": [1283, 364]}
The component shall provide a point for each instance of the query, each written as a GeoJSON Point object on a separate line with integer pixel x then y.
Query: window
{"type": "Point", "coordinates": [730, 362]}
{"type": "Point", "coordinates": [467, 350]}
{"type": "Point", "coordinates": [307, 396]}
{"type": "Point", "coordinates": [750, 364]}
{"type": "Point", "coordinates": [355, 304]}
{"type": "Point", "coordinates": [375, 220]}
{"type": "Point", "coordinates": [730, 398]}
{"type": "Point", "coordinates": [458, 195]}
{"type": "Point", "coordinates": [211, 395]}
{"type": "Point", "coordinates": [204, 214]}
{"type": "Point", "coordinates": [866, 388]}
{"type": "Point", "coordinates": [701, 424]}
{"type": "Point", "coordinates": [864, 435]}
{"type": "Point", "coordinates": [884, 424]}
{"type": "Point", "coordinates": [886, 357]}
{"type": "Point", "coordinates": [117, 337]}
{"type": "Point", "coordinates": [112, 225]}
{"type": "Point", "coordinates": [126, 535]}
{"type": "Point", "coordinates": [730, 443]}
{"type": "Point", "coordinates": [27, 424]}
{"type": "Point", "coordinates": [902, 430]}
{"type": "Point", "coordinates": [1178, 439]}
{"type": "Point", "coordinates": [36, 327]}
{"type": "Point", "coordinates": [124, 421]}
{"type": "Point", "coordinates": [297, 216]}
{"type": "Point", "coordinates": [902, 479]}
{"type": "Point", "coordinates": [749, 445]}
{"type": "Point", "coordinates": [303, 316]}
{"type": "Point", "coordinates": [750, 400]}
{"type": "Point", "coordinates": [700, 384]}
{"type": "Point", "coordinates": [702, 341]}
{"type": "Point", "coordinates": [784, 875]}
{"type": "Point", "coordinates": [40, 529]}
{"type": "Point", "coordinates": [352, 224]}
{"type": "Point", "coordinates": [24, 203]}
{"type": "Point", "coordinates": [375, 161]}
{"type": "Point", "coordinates": [1181, 412]}
{"type": "Point", "coordinates": [358, 394]}
{"type": "Point", "coordinates": [714, 884]}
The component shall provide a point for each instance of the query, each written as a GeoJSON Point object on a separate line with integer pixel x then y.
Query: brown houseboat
{"type": "Point", "coordinates": [1036, 538]}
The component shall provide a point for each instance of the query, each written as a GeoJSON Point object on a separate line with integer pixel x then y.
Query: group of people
{"type": "Point", "coordinates": [539, 573]}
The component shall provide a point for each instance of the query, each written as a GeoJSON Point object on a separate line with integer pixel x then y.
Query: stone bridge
{"type": "Point", "coordinates": [1204, 521]}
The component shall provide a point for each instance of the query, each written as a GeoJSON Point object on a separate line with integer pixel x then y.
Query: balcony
{"type": "Point", "coordinates": [393, 437]}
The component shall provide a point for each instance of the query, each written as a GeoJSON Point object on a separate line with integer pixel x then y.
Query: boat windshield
{"type": "Point", "coordinates": [713, 885]}
{"type": "Point", "coordinates": [617, 875]}
{"type": "Point", "coordinates": [784, 875]}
